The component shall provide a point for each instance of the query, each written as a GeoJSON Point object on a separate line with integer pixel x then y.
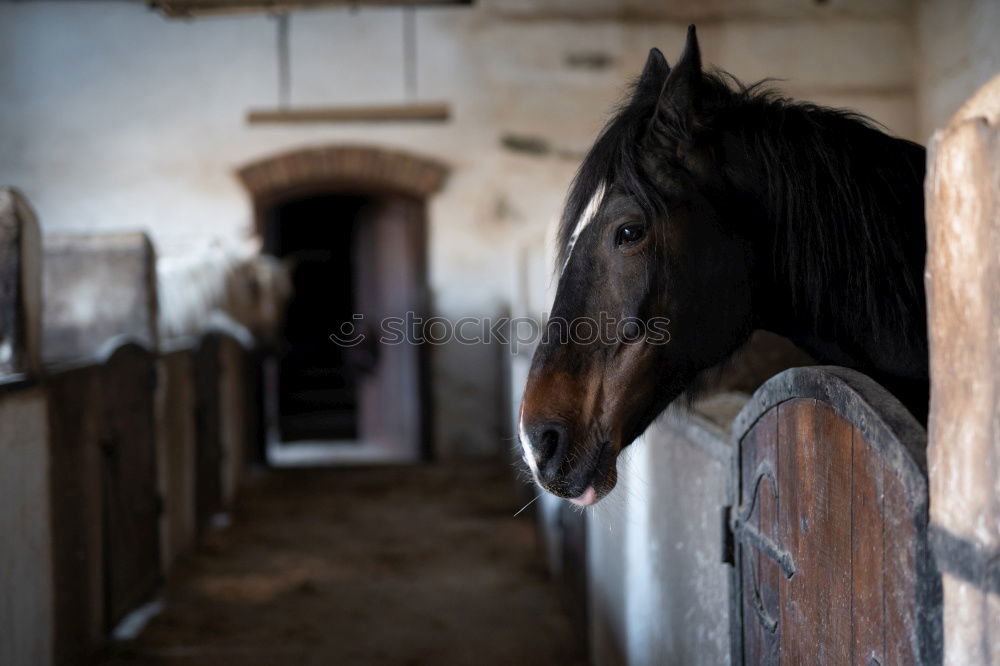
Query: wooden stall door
{"type": "Point", "coordinates": [208, 432]}
{"type": "Point", "coordinates": [389, 266]}
{"type": "Point", "coordinates": [131, 499]}
{"type": "Point", "coordinates": [179, 438]}
{"type": "Point", "coordinates": [75, 472]}
{"type": "Point", "coordinates": [832, 562]}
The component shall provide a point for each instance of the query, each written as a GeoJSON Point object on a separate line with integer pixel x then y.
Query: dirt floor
{"type": "Point", "coordinates": [384, 566]}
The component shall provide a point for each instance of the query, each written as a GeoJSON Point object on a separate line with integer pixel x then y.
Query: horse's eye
{"type": "Point", "coordinates": [629, 234]}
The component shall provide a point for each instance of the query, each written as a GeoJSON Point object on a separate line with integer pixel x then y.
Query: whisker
{"type": "Point", "coordinates": [532, 501]}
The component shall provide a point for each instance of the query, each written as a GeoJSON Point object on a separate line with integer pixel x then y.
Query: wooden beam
{"type": "Point", "coordinates": [425, 112]}
{"type": "Point", "coordinates": [190, 8]}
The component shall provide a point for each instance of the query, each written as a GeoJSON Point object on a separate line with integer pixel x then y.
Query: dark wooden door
{"type": "Point", "coordinates": [75, 473]}
{"type": "Point", "coordinates": [832, 561]}
{"type": "Point", "coordinates": [131, 499]}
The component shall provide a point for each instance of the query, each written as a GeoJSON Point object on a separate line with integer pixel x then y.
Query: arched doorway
{"type": "Point", "coordinates": [349, 222]}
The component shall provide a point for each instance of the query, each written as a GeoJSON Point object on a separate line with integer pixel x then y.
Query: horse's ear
{"type": "Point", "coordinates": [679, 95]}
{"type": "Point", "coordinates": [653, 74]}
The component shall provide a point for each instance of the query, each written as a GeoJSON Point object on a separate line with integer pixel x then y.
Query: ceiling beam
{"type": "Point", "coordinates": [189, 8]}
{"type": "Point", "coordinates": [383, 113]}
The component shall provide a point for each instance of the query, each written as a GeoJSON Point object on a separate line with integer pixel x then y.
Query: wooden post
{"type": "Point", "coordinates": [20, 285]}
{"type": "Point", "coordinates": [963, 291]}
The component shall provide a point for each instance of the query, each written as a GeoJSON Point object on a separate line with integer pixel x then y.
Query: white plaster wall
{"type": "Point", "coordinates": [659, 588]}
{"type": "Point", "coordinates": [959, 51]}
{"type": "Point", "coordinates": [112, 117]}
{"type": "Point", "coordinates": [26, 587]}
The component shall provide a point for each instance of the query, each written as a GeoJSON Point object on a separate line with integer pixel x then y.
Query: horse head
{"type": "Point", "coordinates": [654, 285]}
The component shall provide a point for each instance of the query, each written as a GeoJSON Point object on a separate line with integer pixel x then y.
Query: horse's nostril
{"type": "Point", "coordinates": [547, 445]}
{"type": "Point", "coordinates": [550, 449]}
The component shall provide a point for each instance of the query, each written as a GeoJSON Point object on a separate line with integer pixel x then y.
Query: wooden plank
{"type": "Point", "coordinates": [77, 519]}
{"type": "Point", "coordinates": [424, 111]}
{"type": "Point", "coordinates": [900, 591]}
{"type": "Point", "coordinates": [814, 454]}
{"type": "Point", "coordinates": [867, 563]}
{"type": "Point", "coordinates": [131, 501]}
{"type": "Point", "coordinates": [852, 509]}
{"type": "Point", "coordinates": [963, 297]}
{"type": "Point", "coordinates": [760, 575]}
{"type": "Point", "coordinates": [20, 285]}
{"type": "Point", "coordinates": [208, 432]}
{"type": "Point", "coordinates": [177, 436]}
{"type": "Point", "coordinates": [188, 8]}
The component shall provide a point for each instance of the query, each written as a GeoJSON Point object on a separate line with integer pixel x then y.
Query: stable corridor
{"type": "Point", "coordinates": [371, 566]}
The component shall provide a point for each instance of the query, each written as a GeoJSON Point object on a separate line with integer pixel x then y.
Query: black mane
{"type": "Point", "coordinates": [838, 191]}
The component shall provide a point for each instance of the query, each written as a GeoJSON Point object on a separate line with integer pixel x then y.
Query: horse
{"type": "Point", "coordinates": [722, 209]}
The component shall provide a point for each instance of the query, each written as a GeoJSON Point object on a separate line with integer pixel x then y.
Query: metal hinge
{"type": "Point", "coordinates": [728, 538]}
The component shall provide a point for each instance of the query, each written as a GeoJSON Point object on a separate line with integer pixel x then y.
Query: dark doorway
{"type": "Point", "coordinates": [318, 396]}
{"type": "Point", "coordinates": [353, 260]}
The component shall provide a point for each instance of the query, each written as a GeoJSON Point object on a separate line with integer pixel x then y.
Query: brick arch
{"type": "Point", "coordinates": [355, 168]}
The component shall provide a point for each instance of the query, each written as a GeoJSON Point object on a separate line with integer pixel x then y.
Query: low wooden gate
{"type": "Point", "coordinates": [105, 503]}
{"type": "Point", "coordinates": [75, 426]}
{"type": "Point", "coordinates": [130, 497]}
{"type": "Point", "coordinates": [832, 564]}
{"type": "Point", "coordinates": [208, 432]}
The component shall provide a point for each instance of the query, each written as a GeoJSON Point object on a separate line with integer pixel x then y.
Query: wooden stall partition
{"type": "Point", "coordinates": [176, 454]}
{"type": "Point", "coordinates": [832, 556]}
{"type": "Point", "coordinates": [208, 432]}
{"type": "Point", "coordinates": [256, 408]}
{"type": "Point", "coordinates": [20, 285]}
{"type": "Point", "coordinates": [682, 601]}
{"type": "Point", "coordinates": [76, 432]}
{"type": "Point", "coordinates": [130, 491]}
{"type": "Point", "coordinates": [97, 287]}
{"type": "Point", "coordinates": [963, 294]}
{"type": "Point", "coordinates": [235, 406]}
{"type": "Point", "coordinates": [658, 578]}
{"type": "Point", "coordinates": [27, 615]}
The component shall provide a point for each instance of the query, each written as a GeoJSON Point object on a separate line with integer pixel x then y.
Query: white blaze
{"type": "Point", "coordinates": [526, 445]}
{"type": "Point", "coordinates": [588, 215]}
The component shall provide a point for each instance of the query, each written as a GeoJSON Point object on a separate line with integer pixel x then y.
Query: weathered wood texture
{"type": "Point", "coordinates": [20, 285]}
{"type": "Point", "coordinates": [75, 433]}
{"type": "Point", "coordinates": [208, 432]}
{"type": "Point", "coordinates": [26, 613]}
{"type": "Point", "coordinates": [176, 441]}
{"type": "Point", "coordinates": [234, 403]}
{"type": "Point", "coordinates": [131, 499]}
{"type": "Point", "coordinates": [188, 8]}
{"type": "Point", "coordinates": [97, 287]}
{"type": "Point", "coordinates": [104, 504]}
{"type": "Point", "coordinates": [963, 292]}
{"type": "Point", "coordinates": [425, 111]}
{"type": "Point", "coordinates": [832, 551]}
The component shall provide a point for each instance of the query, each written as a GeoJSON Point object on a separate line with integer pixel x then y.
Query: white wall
{"type": "Point", "coordinates": [959, 52]}
{"type": "Point", "coordinates": [659, 590]}
{"type": "Point", "coordinates": [112, 117]}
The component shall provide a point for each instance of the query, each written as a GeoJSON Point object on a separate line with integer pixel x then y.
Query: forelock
{"type": "Point", "coordinates": [613, 163]}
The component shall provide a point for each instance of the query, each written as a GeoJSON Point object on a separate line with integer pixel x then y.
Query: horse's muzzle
{"type": "Point", "coordinates": [580, 474]}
